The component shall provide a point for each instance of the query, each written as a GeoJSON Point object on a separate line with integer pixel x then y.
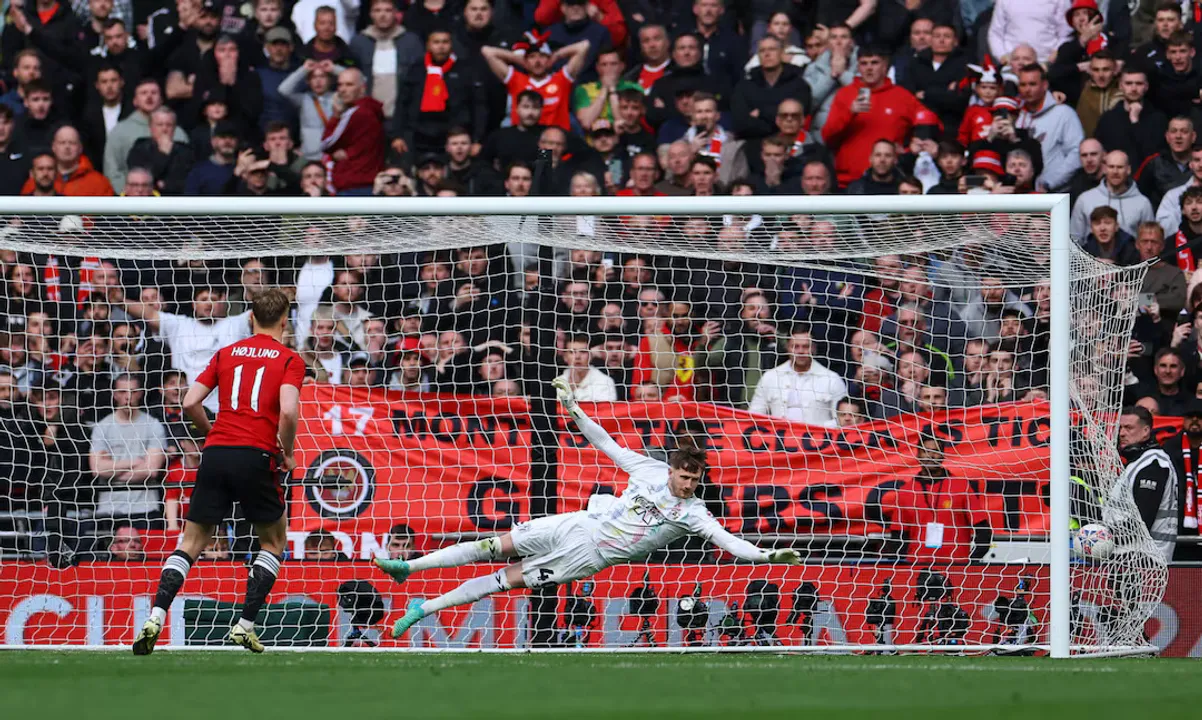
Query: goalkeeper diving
{"type": "Point", "coordinates": [657, 508]}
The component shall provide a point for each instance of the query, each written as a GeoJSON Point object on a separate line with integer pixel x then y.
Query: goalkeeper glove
{"type": "Point", "coordinates": [566, 397]}
{"type": "Point", "coordinates": [786, 557]}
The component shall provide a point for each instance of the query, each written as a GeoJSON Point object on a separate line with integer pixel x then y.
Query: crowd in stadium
{"type": "Point", "coordinates": [443, 98]}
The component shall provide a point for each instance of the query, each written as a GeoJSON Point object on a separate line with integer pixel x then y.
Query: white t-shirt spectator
{"type": "Point", "coordinates": [311, 284]}
{"type": "Point", "coordinates": [808, 397]}
{"type": "Point", "coordinates": [595, 387]}
{"type": "Point", "coordinates": [193, 342]}
{"type": "Point", "coordinates": [128, 441]}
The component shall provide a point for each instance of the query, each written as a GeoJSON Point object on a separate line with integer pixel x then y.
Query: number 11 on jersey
{"type": "Point", "coordinates": [236, 388]}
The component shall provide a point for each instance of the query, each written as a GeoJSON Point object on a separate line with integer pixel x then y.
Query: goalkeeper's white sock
{"type": "Point", "coordinates": [462, 554]}
{"type": "Point", "coordinates": [468, 592]}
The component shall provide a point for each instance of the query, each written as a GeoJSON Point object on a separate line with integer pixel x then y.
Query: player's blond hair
{"type": "Point", "coordinates": [269, 307]}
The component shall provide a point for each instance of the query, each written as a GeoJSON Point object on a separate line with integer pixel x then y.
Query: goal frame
{"type": "Point", "coordinates": [1056, 205]}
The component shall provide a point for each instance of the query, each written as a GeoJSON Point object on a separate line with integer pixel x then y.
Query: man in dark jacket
{"type": "Point", "coordinates": [1132, 125]}
{"type": "Point", "coordinates": [722, 49]}
{"type": "Point", "coordinates": [758, 95]}
{"type": "Point", "coordinates": [169, 162]}
{"type": "Point", "coordinates": [60, 29]}
{"type": "Point", "coordinates": [577, 26]}
{"type": "Point", "coordinates": [685, 72]}
{"type": "Point", "coordinates": [1175, 91]}
{"type": "Point", "coordinates": [1149, 481]}
{"type": "Point", "coordinates": [935, 74]}
{"type": "Point", "coordinates": [225, 72]}
{"type": "Point", "coordinates": [881, 177]}
{"type": "Point", "coordinates": [1168, 168]}
{"type": "Point", "coordinates": [1090, 173]}
{"type": "Point", "coordinates": [439, 93]}
{"type": "Point", "coordinates": [14, 162]}
{"type": "Point", "coordinates": [473, 31]}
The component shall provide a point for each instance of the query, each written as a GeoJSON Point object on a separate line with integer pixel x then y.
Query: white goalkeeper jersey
{"type": "Point", "coordinates": [647, 516]}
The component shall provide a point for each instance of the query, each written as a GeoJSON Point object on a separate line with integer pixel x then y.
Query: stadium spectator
{"type": "Point", "coordinates": [745, 351]}
{"type": "Point", "coordinates": [398, 49]}
{"type": "Point", "coordinates": [935, 74]}
{"type": "Point", "coordinates": [1168, 386]}
{"type": "Point", "coordinates": [402, 543]}
{"type": "Point", "coordinates": [106, 107]}
{"type": "Point", "coordinates": [666, 352]}
{"type": "Point", "coordinates": [518, 142]}
{"type": "Point", "coordinates": [982, 313]}
{"type": "Point", "coordinates": [126, 456]}
{"type": "Point", "coordinates": [1163, 280]}
{"type": "Point", "coordinates": [555, 87]}
{"type": "Point", "coordinates": [708, 139]}
{"type": "Point", "coordinates": [211, 175]}
{"type": "Point", "coordinates": [126, 545]}
{"type": "Point", "coordinates": [1107, 241]}
{"type": "Point", "coordinates": [590, 384]}
{"type": "Point", "coordinates": [1179, 80]}
{"type": "Point", "coordinates": [871, 108]}
{"type": "Point", "coordinates": [599, 99]}
{"type": "Point", "coordinates": [305, 17]}
{"type": "Point", "coordinates": [436, 95]}
{"type": "Point", "coordinates": [757, 97]}
{"type": "Point", "coordinates": [834, 69]}
{"type": "Point", "coordinates": [722, 49]}
{"type": "Point", "coordinates": [1131, 125]}
{"type": "Point", "coordinates": [1168, 214]}
{"type": "Point", "coordinates": [354, 136]}
{"type": "Point", "coordinates": [73, 172]}
{"type": "Point", "coordinates": [169, 162]}
{"type": "Point", "coordinates": [281, 61]}
{"type": "Point", "coordinates": [800, 389]}
{"type": "Point", "coordinates": [1116, 191]}
{"type": "Point", "coordinates": [148, 97]}
{"type": "Point", "coordinates": [1054, 125]}
{"type": "Point", "coordinates": [26, 68]}
{"type": "Point", "coordinates": [671, 96]}
{"type": "Point", "coordinates": [653, 50]}
{"type": "Point", "coordinates": [1018, 21]}
{"type": "Point", "coordinates": [882, 176]}
{"type": "Point", "coordinates": [314, 102]}
{"type": "Point", "coordinates": [1166, 20]}
{"type": "Point", "coordinates": [1169, 167]}
{"type": "Point", "coordinates": [968, 386]}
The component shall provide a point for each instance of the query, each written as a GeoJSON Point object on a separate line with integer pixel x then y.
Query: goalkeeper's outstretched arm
{"type": "Point", "coordinates": [594, 433]}
{"type": "Point", "coordinates": [710, 529]}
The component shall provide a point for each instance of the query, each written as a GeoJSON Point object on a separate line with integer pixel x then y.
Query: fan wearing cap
{"type": "Point", "coordinates": [986, 82]}
{"type": "Point", "coordinates": [210, 175]}
{"type": "Point", "coordinates": [536, 56]}
{"type": "Point", "coordinates": [919, 162]}
{"type": "Point", "coordinates": [1072, 57]}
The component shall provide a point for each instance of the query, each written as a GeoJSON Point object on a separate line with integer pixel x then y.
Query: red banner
{"type": "Point", "coordinates": [447, 464]}
{"type": "Point", "coordinates": [104, 603]}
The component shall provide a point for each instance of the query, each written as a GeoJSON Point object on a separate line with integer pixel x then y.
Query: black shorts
{"type": "Point", "coordinates": [248, 475]}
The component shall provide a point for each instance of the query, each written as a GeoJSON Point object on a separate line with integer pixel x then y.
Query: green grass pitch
{"type": "Point", "coordinates": [237, 685]}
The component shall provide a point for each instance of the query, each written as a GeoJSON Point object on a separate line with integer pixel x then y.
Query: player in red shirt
{"type": "Point", "coordinates": [247, 452]}
{"type": "Point", "coordinates": [939, 517]}
{"type": "Point", "coordinates": [554, 87]}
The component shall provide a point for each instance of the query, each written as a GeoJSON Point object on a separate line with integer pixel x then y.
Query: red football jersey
{"type": "Point", "coordinates": [556, 90]}
{"type": "Point", "coordinates": [247, 377]}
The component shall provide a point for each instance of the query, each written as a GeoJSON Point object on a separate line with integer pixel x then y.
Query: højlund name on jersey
{"type": "Point", "coordinates": [254, 352]}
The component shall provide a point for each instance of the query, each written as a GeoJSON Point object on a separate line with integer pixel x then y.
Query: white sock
{"type": "Point", "coordinates": [246, 624]}
{"type": "Point", "coordinates": [468, 592]}
{"type": "Point", "coordinates": [461, 554]}
{"type": "Point", "coordinates": [158, 614]}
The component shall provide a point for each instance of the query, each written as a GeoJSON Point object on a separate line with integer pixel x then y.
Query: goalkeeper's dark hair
{"type": "Point", "coordinates": [269, 307]}
{"type": "Point", "coordinates": [688, 456]}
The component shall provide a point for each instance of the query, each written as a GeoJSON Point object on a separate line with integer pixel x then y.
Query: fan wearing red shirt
{"type": "Point", "coordinates": [247, 452]}
{"type": "Point", "coordinates": [938, 516]}
{"type": "Point", "coordinates": [536, 57]}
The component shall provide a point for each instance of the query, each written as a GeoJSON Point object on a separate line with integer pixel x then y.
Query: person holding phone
{"type": "Point", "coordinates": [871, 108]}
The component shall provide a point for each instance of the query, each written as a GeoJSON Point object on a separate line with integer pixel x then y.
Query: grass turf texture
{"type": "Point", "coordinates": [184, 685]}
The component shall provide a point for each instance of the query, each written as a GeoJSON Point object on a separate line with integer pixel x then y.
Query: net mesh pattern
{"type": "Point", "coordinates": [920, 507]}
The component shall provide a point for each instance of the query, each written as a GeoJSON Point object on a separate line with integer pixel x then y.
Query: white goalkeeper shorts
{"type": "Point", "coordinates": [556, 549]}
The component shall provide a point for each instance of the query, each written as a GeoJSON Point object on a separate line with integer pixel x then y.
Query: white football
{"type": "Point", "coordinates": [1094, 541]}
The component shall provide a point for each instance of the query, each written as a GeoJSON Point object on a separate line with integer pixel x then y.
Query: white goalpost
{"type": "Point", "coordinates": [978, 342]}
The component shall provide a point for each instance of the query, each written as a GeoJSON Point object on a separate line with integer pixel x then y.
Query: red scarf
{"type": "Point", "coordinates": [798, 144]}
{"type": "Point", "coordinates": [1189, 516]}
{"type": "Point", "coordinates": [52, 280]}
{"type": "Point", "coordinates": [1185, 256]}
{"type": "Point", "coordinates": [434, 97]}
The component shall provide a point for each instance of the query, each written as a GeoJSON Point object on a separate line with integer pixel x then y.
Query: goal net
{"type": "Point", "coordinates": [872, 389]}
